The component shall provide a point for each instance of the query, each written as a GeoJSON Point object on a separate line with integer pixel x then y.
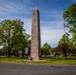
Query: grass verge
{"type": "Point", "coordinates": [46, 60]}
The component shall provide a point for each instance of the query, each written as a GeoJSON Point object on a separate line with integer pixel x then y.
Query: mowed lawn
{"type": "Point", "coordinates": [45, 60]}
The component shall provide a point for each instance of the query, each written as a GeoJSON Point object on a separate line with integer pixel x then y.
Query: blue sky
{"type": "Point", "coordinates": [51, 20]}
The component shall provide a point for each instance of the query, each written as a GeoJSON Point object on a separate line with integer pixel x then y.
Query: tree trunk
{"type": "Point", "coordinates": [65, 53]}
{"type": "Point", "coordinates": [9, 55]}
{"type": "Point", "coordinates": [22, 53]}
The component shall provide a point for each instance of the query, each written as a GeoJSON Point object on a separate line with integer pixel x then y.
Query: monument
{"type": "Point", "coordinates": [35, 36]}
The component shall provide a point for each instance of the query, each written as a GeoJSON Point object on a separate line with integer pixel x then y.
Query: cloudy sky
{"type": "Point", "coordinates": [51, 20]}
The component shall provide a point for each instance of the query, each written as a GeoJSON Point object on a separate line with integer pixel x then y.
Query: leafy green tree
{"type": "Point", "coordinates": [64, 39]}
{"type": "Point", "coordinates": [52, 50]}
{"type": "Point", "coordinates": [12, 35]}
{"type": "Point", "coordinates": [24, 42]}
{"type": "Point", "coordinates": [63, 45]}
{"type": "Point", "coordinates": [70, 16]}
{"type": "Point", "coordinates": [46, 49]}
{"type": "Point", "coordinates": [20, 46]}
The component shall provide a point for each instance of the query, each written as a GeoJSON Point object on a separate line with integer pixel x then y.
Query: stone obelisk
{"type": "Point", "coordinates": [35, 36]}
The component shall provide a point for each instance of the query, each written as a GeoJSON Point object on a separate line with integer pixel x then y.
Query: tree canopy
{"type": "Point", "coordinates": [12, 35]}
{"type": "Point", "coordinates": [46, 48]}
{"type": "Point", "coordinates": [64, 39]}
{"type": "Point", "coordinates": [70, 17]}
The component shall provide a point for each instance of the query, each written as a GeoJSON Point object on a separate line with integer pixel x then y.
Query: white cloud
{"type": "Point", "coordinates": [51, 21]}
{"type": "Point", "coordinates": [51, 36]}
{"type": "Point", "coordinates": [53, 24]}
{"type": "Point", "coordinates": [14, 8]}
{"type": "Point", "coordinates": [27, 25]}
{"type": "Point", "coordinates": [52, 31]}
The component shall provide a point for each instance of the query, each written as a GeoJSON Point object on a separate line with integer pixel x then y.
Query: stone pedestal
{"type": "Point", "coordinates": [35, 36]}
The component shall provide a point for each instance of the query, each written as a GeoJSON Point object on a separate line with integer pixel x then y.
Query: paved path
{"type": "Point", "coordinates": [21, 69]}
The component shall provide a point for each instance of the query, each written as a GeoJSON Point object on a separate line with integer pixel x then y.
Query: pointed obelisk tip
{"type": "Point", "coordinates": [35, 8]}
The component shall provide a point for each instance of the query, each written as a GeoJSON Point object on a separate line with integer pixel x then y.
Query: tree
{"type": "Point", "coordinates": [70, 16]}
{"type": "Point", "coordinates": [64, 39]}
{"type": "Point", "coordinates": [24, 42]}
{"type": "Point", "coordinates": [12, 35]}
{"type": "Point", "coordinates": [46, 48]}
{"type": "Point", "coordinates": [62, 48]}
{"type": "Point", "coordinates": [63, 45]}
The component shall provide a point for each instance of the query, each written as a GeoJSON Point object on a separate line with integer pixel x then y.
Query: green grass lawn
{"type": "Point", "coordinates": [45, 60]}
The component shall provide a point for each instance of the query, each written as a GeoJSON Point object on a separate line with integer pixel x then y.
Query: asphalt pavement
{"type": "Point", "coordinates": [27, 69]}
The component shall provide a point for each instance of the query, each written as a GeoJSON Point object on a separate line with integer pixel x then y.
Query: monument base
{"type": "Point", "coordinates": [32, 59]}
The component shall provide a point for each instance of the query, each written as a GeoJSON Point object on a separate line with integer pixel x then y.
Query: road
{"type": "Point", "coordinates": [22, 69]}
